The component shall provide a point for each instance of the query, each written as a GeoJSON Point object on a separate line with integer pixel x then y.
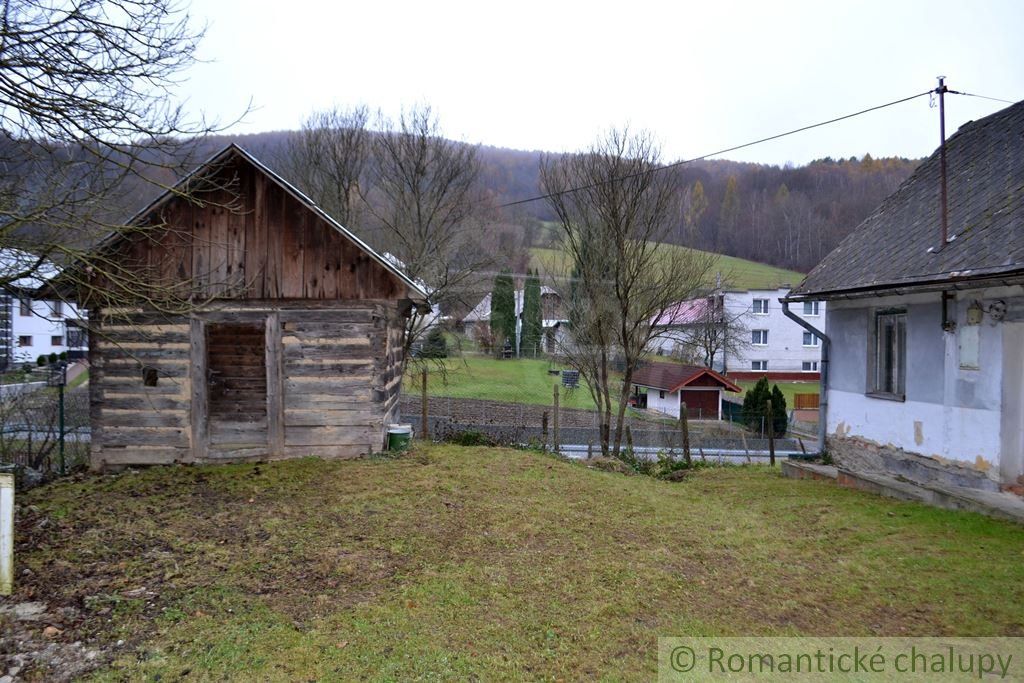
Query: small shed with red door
{"type": "Point", "coordinates": [669, 385]}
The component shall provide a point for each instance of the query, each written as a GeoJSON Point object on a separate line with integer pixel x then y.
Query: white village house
{"type": "Point", "coordinates": [762, 340]}
{"type": "Point", "coordinates": [926, 321]}
{"type": "Point", "coordinates": [477, 322]}
{"type": "Point", "coordinates": [30, 327]}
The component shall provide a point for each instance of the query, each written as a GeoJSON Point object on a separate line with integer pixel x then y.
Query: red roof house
{"type": "Point", "coordinates": [669, 385]}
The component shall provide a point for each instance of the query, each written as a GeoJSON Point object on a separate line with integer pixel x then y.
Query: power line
{"type": "Point", "coordinates": [721, 151]}
{"type": "Point", "coordinates": [984, 97]}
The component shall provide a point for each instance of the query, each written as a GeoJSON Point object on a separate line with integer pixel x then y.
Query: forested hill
{"type": "Point", "coordinates": [785, 216]}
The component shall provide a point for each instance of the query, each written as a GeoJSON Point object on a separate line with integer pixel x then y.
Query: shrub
{"type": "Point", "coordinates": [435, 345]}
{"type": "Point", "coordinates": [42, 360]}
{"type": "Point", "coordinates": [471, 437]}
{"type": "Point", "coordinates": [755, 408]}
{"type": "Point", "coordinates": [63, 355]}
{"type": "Point", "coordinates": [53, 357]}
{"type": "Point", "coordinates": [780, 413]}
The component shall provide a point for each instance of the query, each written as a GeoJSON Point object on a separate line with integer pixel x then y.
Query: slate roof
{"type": "Point", "coordinates": [671, 377]}
{"type": "Point", "coordinates": [898, 246]}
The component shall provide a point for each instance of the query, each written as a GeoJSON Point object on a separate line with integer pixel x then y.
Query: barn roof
{"type": "Point", "coordinates": [672, 377]}
{"type": "Point", "coordinates": [898, 246]}
{"type": "Point", "coordinates": [416, 291]}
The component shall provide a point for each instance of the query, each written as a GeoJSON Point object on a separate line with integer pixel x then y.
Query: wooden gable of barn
{"type": "Point", "coordinates": [235, 230]}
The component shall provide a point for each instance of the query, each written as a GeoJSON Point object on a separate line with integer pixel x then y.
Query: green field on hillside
{"type": "Point", "coordinates": [737, 273]}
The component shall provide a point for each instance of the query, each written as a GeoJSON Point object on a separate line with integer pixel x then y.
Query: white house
{"type": "Point", "coordinates": [926, 319]}
{"type": "Point", "coordinates": [479, 319]}
{"type": "Point", "coordinates": [752, 336]}
{"type": "Point", "coordinates": [32, 327]}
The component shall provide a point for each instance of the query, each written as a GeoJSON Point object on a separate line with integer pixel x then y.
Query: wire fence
{"type": "Point", "coordinates": [541, 402]}
{"type": "Point", "coordinates": [44, 428]}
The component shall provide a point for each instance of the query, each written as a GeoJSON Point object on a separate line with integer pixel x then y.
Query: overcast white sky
{"type": "Point", "coordinates": [551, 75]}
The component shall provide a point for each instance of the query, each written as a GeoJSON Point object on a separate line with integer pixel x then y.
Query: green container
{"type": "Point", "coordinates": [399, 437]}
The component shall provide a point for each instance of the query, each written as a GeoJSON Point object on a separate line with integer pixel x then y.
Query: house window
{"type": "Point", "coordinates": [57, 340]}
{"type": "Point", "coordinates": [761, 306]}
{"type": "Point", "coordinates": [25, 340]}
{"type": "Point", "coordinates": [890, 354]}
{"type": "Point", "coordinates": [58, 309]}
{"type": "Point", "coordinates": [811, 339]}
{"type": "Point", "coordinates": [811, 308]}
{"type": "Point", "coordinates": [810, 366]}
{"type": "Point", "coordinates": [76, 337]}
{"type": "Point", "coordinates": [661, 394]}
{"type": "Point", "coordinates": [26, 307]}
{"type": "Point", "coordinates": [759, 337]}
{"type": "Point", "coordinates": [761, 365]}
{"type": "Point", "coordinates": [149, 376]}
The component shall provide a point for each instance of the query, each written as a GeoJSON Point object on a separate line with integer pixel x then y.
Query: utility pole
{"type": "Point", "coordinates": [944, 218]}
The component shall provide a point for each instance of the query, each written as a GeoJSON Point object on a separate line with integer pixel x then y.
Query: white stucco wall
{"type": "Point", "coordinates": [41, 326]}
{"type": "Point", "coordinates": [668, 405]}
{"type": "Point", "coordinates": [950, 411]}
{"type": "Point", "coordinates": [785, 351]}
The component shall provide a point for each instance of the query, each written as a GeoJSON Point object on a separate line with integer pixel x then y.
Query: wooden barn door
{"type": "Point", "coordinates": [236, 385]}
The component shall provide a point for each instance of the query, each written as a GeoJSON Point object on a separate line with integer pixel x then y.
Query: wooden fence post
{"type": "Point", "coordinates": [424, 412]}
{"type": "Point", "coordinates": [684, 427]}
{"type": "Point", "coordinates": [544, 431]}
{"type": "Point", "coordinates": [771, 436]}
{"type": "Point", "coordinates": [555, 442]}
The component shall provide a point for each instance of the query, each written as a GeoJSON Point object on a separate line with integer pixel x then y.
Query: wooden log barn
{"type": "Point", "coordinates": [291, 345]}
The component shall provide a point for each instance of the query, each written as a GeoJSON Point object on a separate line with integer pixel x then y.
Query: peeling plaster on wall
{"type": "Point", "coordinates": [918, 432]}
{"type": "Point", "coordinates": [863, 455]}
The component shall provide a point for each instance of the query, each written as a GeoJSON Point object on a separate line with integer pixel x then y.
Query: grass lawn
{"type": "Point", "coordinates": [738, 273]}
{"type": "Point", "coordinates": [517, 381]}
{"type": "Point", "coordinates": [458, 563]}
{"type": "Point", "coordinates": [788, 389]}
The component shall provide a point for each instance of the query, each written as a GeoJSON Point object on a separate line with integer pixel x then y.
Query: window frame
{"type": "Point", "coordinates": [815, 307]}
{"type": "Point", "coordinates": [809, 366]}
{"type": "Point", "coordinates": [25, 308]}
{"type": "Point", "coordinates": [56, 340]}
{"type": "Point", "coordinates": [894, 387]}
{"type": "Point", "coordinates": [763, 334]}
{"type": "Point", "coordinates": [763, 363]}
{"type": "Point", "coordinates": [57, 307]}
{"type": "Point", "coordinates": [753, 306]}
{"type": "Point", "coordinates": [815, 340]}
{"type": "Point", "coordinates": [21, 341]}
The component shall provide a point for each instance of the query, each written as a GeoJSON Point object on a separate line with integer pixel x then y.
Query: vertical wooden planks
{"type": "Point", "coordinates": [257, 251]}
{"type": "Point", "coordinates": [292, 256]}
{"type": "Point", "coordinates": [273, 198]}
{"type": "Point", "coordinates": [275, 387]}
{"type": "Point", "coordinates": [197, 376]}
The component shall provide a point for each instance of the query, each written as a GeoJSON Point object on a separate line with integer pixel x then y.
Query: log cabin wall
{"type": "Point", "coordinates": [253, 256]}
{"type": "Point", "coordinates": [331, 385]}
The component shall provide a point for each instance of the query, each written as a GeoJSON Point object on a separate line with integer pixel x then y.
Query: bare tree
{"type": "Point", "coordinates": [88, 125]}
{"type": "Point", "coordinates": [616, 207]}
{"type": "Point", "coordinates": [423, 197]}
{"type": "Point", "coordinates": [327, 159]}
{"type": "Point", "coordinates": [712, 334]}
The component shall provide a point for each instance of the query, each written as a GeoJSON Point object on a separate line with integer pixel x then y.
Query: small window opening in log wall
{"type": "Point", "coordinates": [237, 371]}
{"type": "Point", "coordinates": [149, 376]}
